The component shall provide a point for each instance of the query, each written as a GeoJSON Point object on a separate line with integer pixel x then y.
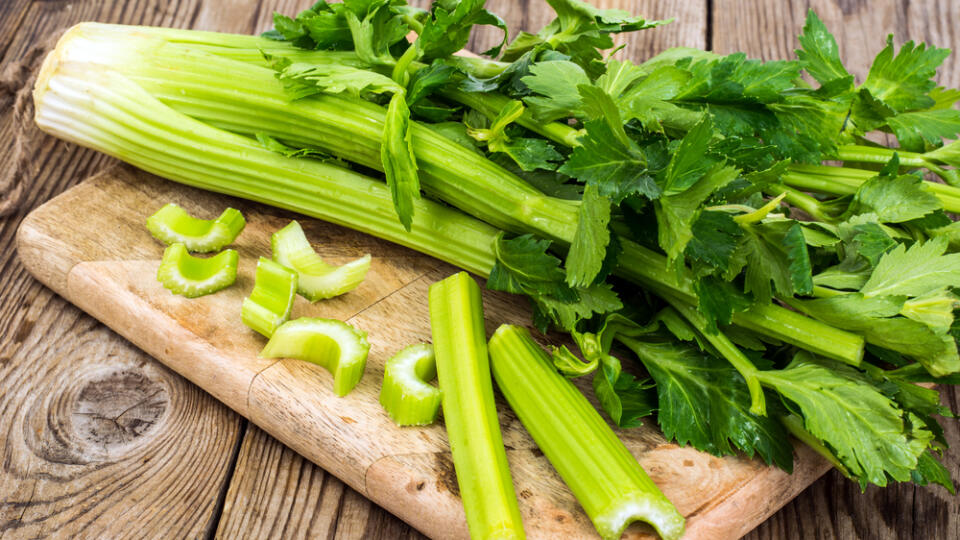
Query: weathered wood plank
{"type": "Point", "coordinates": [276, 493]}
{"type": "Point", "coordinates": [834, 507]}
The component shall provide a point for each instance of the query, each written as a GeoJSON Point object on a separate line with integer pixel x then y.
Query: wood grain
{"type": "Point", "coordinates": [841, 510]}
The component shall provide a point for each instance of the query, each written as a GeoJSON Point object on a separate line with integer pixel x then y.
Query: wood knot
{"type": "Point", "coordinates": [118, 407]}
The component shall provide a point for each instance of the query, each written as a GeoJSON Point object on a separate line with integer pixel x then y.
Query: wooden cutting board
{"type": "Point", "coordinates": [90, 246]}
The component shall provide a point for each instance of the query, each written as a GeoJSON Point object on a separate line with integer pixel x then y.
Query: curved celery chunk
{"type": "Point", "coordinates": [191, 276]}
{"type": "Point", "coordinates": [316, 279]}
{"type": "Point", "coordinates": [271, 300]}
{"type": "Point", "coordinates": [405, 394]}
{"type": "Point", "coordinates": [332, 344]}
{"type": "Point", "coordinates": [612, 487]}
{"type": "Point", "coordinates": [470, 415]}
{"type": "Point", "coordinates": [172, 224]}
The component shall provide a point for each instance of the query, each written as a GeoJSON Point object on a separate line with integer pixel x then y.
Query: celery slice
{"type": "Point", "coordinates": [271, 300]}
{"type": "Point", "coordinates": [316, 279]}
{"type": "Point", "coordinates": [610, 484]}
{"type": "Point", "coordinates": [172, 224]}
{"type": "Point", "coordinates": [332, 344]}
{"type": "Point", "coordinates": [405, 394]}
{"type": "Point", "coordinates": [191, 276]}
{"type": "Point", "coordinates": [470, 415]}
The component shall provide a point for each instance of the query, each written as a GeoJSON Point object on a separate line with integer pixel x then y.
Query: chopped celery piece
{"type": "Point", "coordinates": [271, 300]}
{"type": "Point", "coordinates": [191, 276]}
{"type": "Point", "coordinates": [405, 394]}
{"type": "Point", "coordinates": [316, 279]}
{"type": "Point", "coordinates": [470, 415]}
{"type": "Point", "coordinates": [332, 344]}
{"type": "Point", "coordinates": [610, 484]}
{"type": "Point", "coordinates": [172, 224]}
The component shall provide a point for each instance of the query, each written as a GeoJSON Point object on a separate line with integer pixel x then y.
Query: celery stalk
{"type": "Point", "coordinates": [190, 276]}
{"type": "Point", "coordinates": [316, 279]}
{"type": "Point", "coordinates": [332, 344]}
{"type": "Point", "coordinates": [172, 224]}
{"type": "Point", "coordinates": [463, 369]}
{"type": "Point", "coordinates": [610, 484]}
{"type": "Point", "coordinates": [79, 98]}
{"type": "Point", "coordinates": [271, 300]}
{"type": "Point", "coordinates": [405, 394]}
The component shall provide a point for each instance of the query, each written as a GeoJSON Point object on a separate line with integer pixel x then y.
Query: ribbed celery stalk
{"type": "Point", "coordinates": [270, 302]}
{"type": "Point", "coordinates": [469, 412]}
{"type": "Point", "coordinates": [610, 484]}
{"type": "Point", "coordinates": [316, 279]}
{"type": "Point", "coordinates": [190, 276]}
{"type": "Point", "coordinates": [329, 343]}
{"type": "Point", "coordinates": [405, 394]}
{"type": "Point", "coordinates": [172, 224]}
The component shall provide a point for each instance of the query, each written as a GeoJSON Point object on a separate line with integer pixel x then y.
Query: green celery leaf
{"type": "Point", "coordinates": [864, 429]}
{"type": "Point", "coordinates": [399, 160]}
{"type": "Point", "coordinates": [903, 81]}
{"type": "Point", "coordinates": [894, 199]}
{"type": "Point", "coordinates": [556, 85]}
{"type": "Point", "coordinates": [588, 250]}
{"type": "Point", "coordinates": [934, 309]}
{"type": "Point", "coordinates": [704, 402]}
{"type": "Point", "coordinates": [715, 238]}
{"type": "Point", "coordinates": [718, 300]}
{"type": "Point", "coordinates": [819, 54]}
{"type": "Point", "coordinates": [676, 213]}
{"type": "Point", "coordinates": [447, 30]}
{"type": "Point", "coordinates": [916, 130]}
{"type": "Point", "coordinates": [689, 163]}
{"type": "Point", "coordinates": [618, 77]}
{"type": "Point", "coordinates": [774, 251]}
{"type": "Point", "coordinates": [597, 299]}
{"type": "Point", "coordinates": [623, 397]}
{"type": "Point", "coordinates": [603, 160]}
{"type": "Point", "coordinates": [930, 471]}
{"type": "Point", "coordinates": [915, 271]}
{"type": "Point", "coordinates": [528, 153]}
{"type": "Point", "coordinates": [302, 79]}
{"type": "Point", "coordinates": [425, 80]}
{"type": "Point", "coordinates": [524, 267]}
{"type": "Point", "coordinates": [375, 28]}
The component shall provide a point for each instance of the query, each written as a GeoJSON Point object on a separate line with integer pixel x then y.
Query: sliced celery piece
{"type": "Point", "coordinates": [271, 300]}
{"type": "Point", "coordinates": [470, 415]}
{"type": "Point", "coordinates": [405, 394]}
{"type": "Point", "coordinates": [316, 279]}
{"type": "Point", "coordinates": [172, 224]}
{"type": "Point", "coordinates": [610, 484]}
{"type": "Point", "coordinates": [191, 276]}
{"type": "Point", "coordinates": [332, 344]}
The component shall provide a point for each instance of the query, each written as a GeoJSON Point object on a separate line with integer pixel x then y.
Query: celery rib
{"type": "Point", "coordinates": [172, 224]}
{"type": "Point", "coordinates": [405, 394]}
{"type": "Point", "coordinates": [271, 300]}
{"type": "Point", "coordinates": [610, 484]}
{"type": "Point", "coordinates": [334, 345]}
{"type": "Point", "coordinates": [189, 276]}
{"type": "Point", "coordinates": [469, 412]}
{"type": "Point", "coordinates": [316, 279]}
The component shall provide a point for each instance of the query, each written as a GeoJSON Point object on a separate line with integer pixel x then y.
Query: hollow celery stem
{"type": "Point", "coordinates": [316, 279]}
{"type": "Point", "coordinates": [728, 350]}
{"type": "Point", "coordinates": [406, 395]}
{"type": "Point", "coordinates": [189, 276]}
{"type": "Point", "coordinates": [469, 412]}
{"type": "Point", "coordinates": [271, 300]}
{"type": "Point", "coordinates": [607, 480]}
{"type": "Point", "coordinates": [334, 345]}
{"type": "Point", "coordinates": [172, 224]}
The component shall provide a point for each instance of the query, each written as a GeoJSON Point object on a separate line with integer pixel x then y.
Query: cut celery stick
{"type": "Point", "coordinates": [172, 224]}
{"type": "Point", "coordinates": [316, 279]}
{"type": "Point", "coordinates": [405, 394]}
{"type": "Point", "coordinates": [612, 487]}
{"type": "Point", "coordinates": [470, 415]}
{"type": "Point", "coordinates": [191, 276]}
{"type": "Point", "coordinates": [332, 344]}
{"type": "Point", "coordinates": [271, 300]}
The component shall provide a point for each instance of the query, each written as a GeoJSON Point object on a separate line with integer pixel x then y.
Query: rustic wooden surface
{"type": "Point", "coordinates": [75, 462]}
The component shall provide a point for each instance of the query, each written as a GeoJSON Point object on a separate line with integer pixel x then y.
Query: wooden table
{"type": "Point", "coordinates": [99, 440]}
